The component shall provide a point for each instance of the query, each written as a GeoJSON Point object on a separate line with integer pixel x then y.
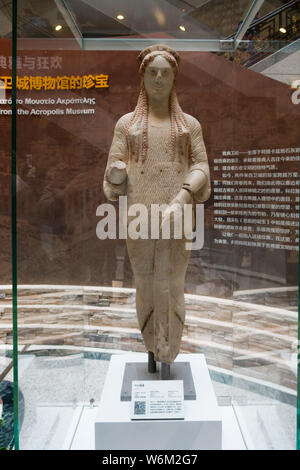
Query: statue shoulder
{"type": "Point", "coordinates": [192, 122]}
{"type": "Point", "coordinates": [124, 121]}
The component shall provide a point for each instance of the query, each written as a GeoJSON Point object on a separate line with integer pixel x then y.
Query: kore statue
{"type": "Point", "coordinates": [158, 158]}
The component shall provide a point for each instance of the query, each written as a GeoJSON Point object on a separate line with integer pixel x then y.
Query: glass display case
{"type": "Point", "coordinates": [69, 71]}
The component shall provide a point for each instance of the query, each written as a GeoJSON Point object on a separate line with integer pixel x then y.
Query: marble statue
{"type": "Point", "coordinates": [158, 156]}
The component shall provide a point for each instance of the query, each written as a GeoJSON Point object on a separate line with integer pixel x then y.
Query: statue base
{"type": "Point", "coordinates": [139, 371]}
{"type": "Point", "coordinates": [201, 428]}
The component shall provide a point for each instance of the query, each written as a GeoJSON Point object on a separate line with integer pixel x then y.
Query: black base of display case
{"type": "Point", "coordinates": [139, 371]}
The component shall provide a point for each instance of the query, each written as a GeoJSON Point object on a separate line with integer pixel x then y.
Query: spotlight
{"type": "Point", "coordinates": [58, 27]}
{"type": "Point", "coordinates": [282, 30]}
{"type": "Point", "coordinates": [182, 28]}
{"type": "Point", "coordinates": [120, 17]}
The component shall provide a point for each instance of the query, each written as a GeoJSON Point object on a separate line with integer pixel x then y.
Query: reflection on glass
{"type": "Point", "coordinates": [199, 19]}
{"type": "Point", "coordinates": [76, 293]}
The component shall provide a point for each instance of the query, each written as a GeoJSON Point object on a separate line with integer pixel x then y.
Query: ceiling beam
{"type": "Point", "coordinates": [70, 21]}
{"type": "Point", "coordinates": [254, 8]}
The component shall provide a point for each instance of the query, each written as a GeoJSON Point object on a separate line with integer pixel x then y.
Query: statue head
{"type": "Point", "coordinates": [158, 69]}
{"type": "Point", "coordinates": [158, 79]}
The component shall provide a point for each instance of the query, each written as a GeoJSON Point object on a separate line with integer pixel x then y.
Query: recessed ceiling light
{"type": "Point", "coordinates": [282, 30]}
{"type": "Point", "coordinates": [182, 28]}
{"type": "Point", "coordinates": [120, 17]}
{"type": "Point", "coordinates": [58, 27]}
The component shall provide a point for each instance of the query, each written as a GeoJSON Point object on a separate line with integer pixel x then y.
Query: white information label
{"type": "Point", "coordinates": [157, 399]}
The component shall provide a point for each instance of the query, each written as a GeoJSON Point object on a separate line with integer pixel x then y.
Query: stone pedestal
{"type": "Point", "coordinates": [201, 429]}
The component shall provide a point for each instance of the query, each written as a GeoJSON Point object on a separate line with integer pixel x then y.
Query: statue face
{"type": "Point", "coordinates": [158, 78]}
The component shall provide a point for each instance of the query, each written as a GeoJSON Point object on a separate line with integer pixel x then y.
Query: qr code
{"type": "Point", "coordinates": [139, 407]}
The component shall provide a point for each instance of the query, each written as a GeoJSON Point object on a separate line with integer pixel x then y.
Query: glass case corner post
{"type": "Point", "coordinates": [14, 221]}
{"type": "Point", "coordinates": [298, 354]}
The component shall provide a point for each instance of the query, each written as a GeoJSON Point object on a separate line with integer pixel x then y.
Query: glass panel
{"type": "Point", "coordinates": [46, 19]}
{"type": "Point", "coordinates": [269, 33]}
{"type": "Point", "coordinates": [7, 417]}
{"type": "Point", "coordinates": [50, 310]}
{"type": "Point", "coordinates": [258, 183]}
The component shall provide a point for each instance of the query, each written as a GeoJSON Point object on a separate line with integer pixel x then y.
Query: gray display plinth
{"type": "Point", "coordinates": [201, 428]}
{"type": "Point", "coordinates": [139, 371]}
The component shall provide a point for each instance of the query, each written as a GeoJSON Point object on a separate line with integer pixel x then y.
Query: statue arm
{"type": "Point", "coordinates": [115, 176]}
{"type": "Point", "coordinates": [198, 178]}
{"type": "Point", "coordinates": [197, 182]}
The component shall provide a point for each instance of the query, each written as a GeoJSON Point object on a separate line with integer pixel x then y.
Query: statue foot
{"type": "Point", "coordinates": [165, 371]}
{"type": "Point", "coordinates": [151, 362]}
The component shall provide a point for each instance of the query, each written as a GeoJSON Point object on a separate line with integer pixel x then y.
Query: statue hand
{"type": "Point", "coordinates": [171, 216]}
{"type": "Point", "coordinates": [113, 191]}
